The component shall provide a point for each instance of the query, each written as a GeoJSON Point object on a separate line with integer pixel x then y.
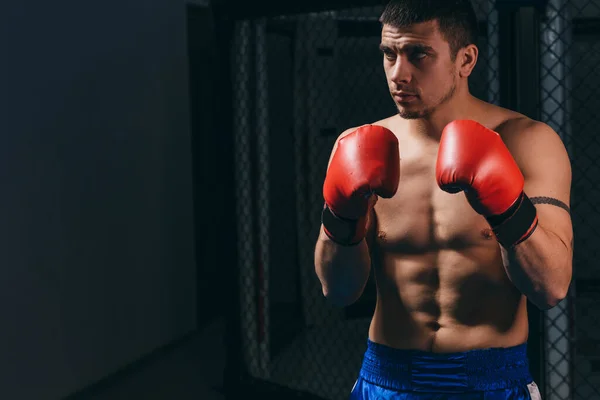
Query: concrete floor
{"type": "Point", "coordinates": [320, 362]}
{"type": "Point", "coordinates": [191, 370]}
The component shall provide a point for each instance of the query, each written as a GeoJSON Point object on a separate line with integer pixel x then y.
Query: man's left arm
{"type": "Point", "coordinates": [541, 265]}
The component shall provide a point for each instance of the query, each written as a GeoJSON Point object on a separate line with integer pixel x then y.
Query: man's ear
{"type": "Point", "coordinates": [466, 59]}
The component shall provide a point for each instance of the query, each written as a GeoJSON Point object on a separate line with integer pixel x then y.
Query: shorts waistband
{"type": "Point", "coordinates": [421, 371]}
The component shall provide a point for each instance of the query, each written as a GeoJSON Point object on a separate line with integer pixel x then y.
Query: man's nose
{"type": "Point", "coordinates": [401, 71]}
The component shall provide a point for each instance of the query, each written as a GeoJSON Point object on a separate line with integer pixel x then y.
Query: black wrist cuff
{"type": "Point", "coordinates": [516, 224]}
{"type": "Point", "coordinates": [343, 231]}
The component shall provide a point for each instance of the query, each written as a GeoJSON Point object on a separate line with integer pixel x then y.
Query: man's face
{"type": "Point", "coordinates": [420, 72]}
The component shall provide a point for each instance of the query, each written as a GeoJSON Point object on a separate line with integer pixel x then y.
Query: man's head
{"type": "Point", "coordinates": [429, 52]}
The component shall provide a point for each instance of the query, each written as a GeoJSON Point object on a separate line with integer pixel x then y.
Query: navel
{"type": "Point", "coordinates": [434, 326]}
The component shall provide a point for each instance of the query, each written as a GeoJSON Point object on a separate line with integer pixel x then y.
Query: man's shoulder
{"type": "Point", "coordinates": [514, 126]}
{"type": "Point", "coordinates": [525, 136]}
{"type": "Point", "coordinates": [522, 130]}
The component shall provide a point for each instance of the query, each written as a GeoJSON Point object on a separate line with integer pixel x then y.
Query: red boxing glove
{"type": "Point", "coordinates": [366, 162]}
{"type": "Point", "coordinates": [474, 159]}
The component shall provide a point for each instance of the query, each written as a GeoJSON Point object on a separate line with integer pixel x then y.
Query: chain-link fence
{"type": "Point", "coordinates": [300, 80]}
{"type": "Point", "coordinates": [570, 79]}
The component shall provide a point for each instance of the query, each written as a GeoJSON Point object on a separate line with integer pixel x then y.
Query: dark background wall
{"type": "Point", "coordinates": [97, 244]}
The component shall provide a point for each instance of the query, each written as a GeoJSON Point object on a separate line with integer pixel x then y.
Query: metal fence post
{"type": "Point", "coordinates": [555, 61]}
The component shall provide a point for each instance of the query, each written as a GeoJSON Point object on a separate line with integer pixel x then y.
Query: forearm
{"type": "Point", "coordinates": [540, 267]}
{"type": "Point", "coordinates": [342, 270]}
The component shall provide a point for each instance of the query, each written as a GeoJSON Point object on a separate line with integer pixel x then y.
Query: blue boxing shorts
{"type": "Point", "coordinates": [488, 374]}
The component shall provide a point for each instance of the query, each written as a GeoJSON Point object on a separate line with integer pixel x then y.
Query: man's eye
{"type": "Point", "coordinates": [419, 55]}
{"type": "Point", "coordinates": [389, 55]}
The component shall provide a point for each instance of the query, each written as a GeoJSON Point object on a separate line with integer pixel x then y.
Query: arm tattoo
{"type": "Point", "coordinates": [551, 201]}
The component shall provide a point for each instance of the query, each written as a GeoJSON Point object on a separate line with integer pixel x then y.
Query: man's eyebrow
{"type": "Point", "coordinates": [409, 46]}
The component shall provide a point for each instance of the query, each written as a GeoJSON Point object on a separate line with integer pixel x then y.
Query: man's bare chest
{"type": "Point", "coordinates": [422, 218]}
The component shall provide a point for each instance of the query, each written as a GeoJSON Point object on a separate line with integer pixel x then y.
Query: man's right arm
{"type": "Point", "coordinates": [343, 270]}
{"type": "Point", "coordinates": [364, 165]}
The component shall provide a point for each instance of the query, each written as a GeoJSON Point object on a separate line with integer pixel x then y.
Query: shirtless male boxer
{"type": "Point", "coordinates": [462, 210]}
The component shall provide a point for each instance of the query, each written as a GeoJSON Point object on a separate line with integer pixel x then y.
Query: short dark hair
{"type": "Point", "coordinates": [456, 18]}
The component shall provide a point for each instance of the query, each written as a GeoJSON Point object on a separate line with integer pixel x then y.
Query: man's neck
{"type": "Point", "coordinates": [456, 108]}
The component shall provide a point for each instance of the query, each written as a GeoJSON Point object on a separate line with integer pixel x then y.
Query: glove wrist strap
{"type": "Point", "coordinates": [516, 224]}
{"type": "Point", "coordinates": [343, 231]}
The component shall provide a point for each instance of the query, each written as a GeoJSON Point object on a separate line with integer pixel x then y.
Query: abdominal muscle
{"type": "Point", "coordinates": [446, 301]}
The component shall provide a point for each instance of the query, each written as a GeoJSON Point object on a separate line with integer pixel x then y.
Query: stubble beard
{"type": "Point", "coordinates": [424, 113]}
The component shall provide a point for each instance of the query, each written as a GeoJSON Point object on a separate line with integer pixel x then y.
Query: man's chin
{"type": "Point", "coordinates": [410, 114]}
